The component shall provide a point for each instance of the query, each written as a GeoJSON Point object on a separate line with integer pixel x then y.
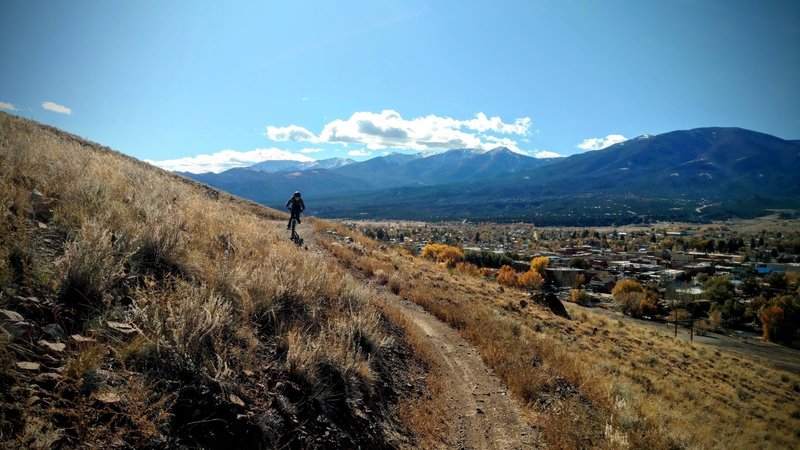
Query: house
{"type": "Point", "coordinates": [602, 283]}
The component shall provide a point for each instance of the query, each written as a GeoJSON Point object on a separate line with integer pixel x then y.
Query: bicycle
{"type": "Point", "coordinates": [295, 237]}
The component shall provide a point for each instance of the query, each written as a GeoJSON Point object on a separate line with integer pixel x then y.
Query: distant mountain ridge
{"type": "Point", "coordinates": [699, 174]}
{"type": "Point", "coordinates": [269, 181]}
{"type": "Point", "coordinates": [272, 166]}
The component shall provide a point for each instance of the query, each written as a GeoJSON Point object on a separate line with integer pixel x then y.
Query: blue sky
{"type": "Point", "coordinates": [210, 85]}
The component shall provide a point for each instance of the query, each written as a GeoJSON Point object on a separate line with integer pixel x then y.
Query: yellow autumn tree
{"type": "Point", "coordinates": [442, 253]}
{"type": "Point", "coordinates": [624, 287]}
{"type": "Point", "coordinates": [540, 263]}
{"type": "Point", "coordinates": [530, 280]}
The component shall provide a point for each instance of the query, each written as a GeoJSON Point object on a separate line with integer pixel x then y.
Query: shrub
{"type": "Point", "coordinates": [485, 258]}
{"type": "Point", "coordinates": [629, 302]}
{"type": "Point", "coordinates": [507, 276]}
{"type": "Point", "coordinates": [442, 253]}
{"type": "Point", "coordinates": [530, 280]}
{"type": "Point", "coordinates": [92, 264]}
{"type": "Point", "coordinates": [580, 297]}
{"type": "Point", "coordinates": [540, 263]}
{"type": "Point", "coordinates": [468, 269]}
{"type": "Point", "coordinates": [624, 287]}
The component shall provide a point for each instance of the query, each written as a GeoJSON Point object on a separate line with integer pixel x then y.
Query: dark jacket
{"type": "Point", "coordinates": [296, 205]}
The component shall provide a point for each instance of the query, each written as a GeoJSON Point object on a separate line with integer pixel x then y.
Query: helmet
{"type": "Point", "coordinates": [297, 193]}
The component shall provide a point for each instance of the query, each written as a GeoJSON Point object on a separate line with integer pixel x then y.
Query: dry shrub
{"type": "Point", "coordinates": [507, 276]}
{"type": "Point", "coordinates": [92, 264]}
{"type": "Point", "coordinates": [468, 269]}
{"type": "Point", "coordinates": [487, 272]}
{"type": "Point", "coordinates": [190, 328]}
{"type": "Point", "coordinates": [396, 283]}
{"type": "Point", "coordinates": [580, 297]}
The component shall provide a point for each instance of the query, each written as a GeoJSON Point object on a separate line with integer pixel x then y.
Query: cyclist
{"type": "Point", "coordinates": [296, 206]}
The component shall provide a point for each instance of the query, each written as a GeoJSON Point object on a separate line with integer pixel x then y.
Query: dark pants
{"type": "Point", "coordinates": [294, 215]}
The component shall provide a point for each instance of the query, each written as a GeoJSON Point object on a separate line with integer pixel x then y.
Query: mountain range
{"type": "Point", "coordinates": [699, 174]}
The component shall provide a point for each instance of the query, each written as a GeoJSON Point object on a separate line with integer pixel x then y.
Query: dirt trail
{"type": "Point", "coordinates": [481, 412]}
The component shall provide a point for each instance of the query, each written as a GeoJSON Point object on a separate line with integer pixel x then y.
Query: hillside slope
{"type": "Point", "coordinates": [140, 309]}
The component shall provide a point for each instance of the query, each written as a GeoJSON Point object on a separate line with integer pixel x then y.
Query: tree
{"type": "Point", "coordinates": [442, 253]}
{"type": "Point", "coordinates": [778, 282]}
{"type": "Point", "coordinates": [530, 280]}
{"type": "Point", "coordinates": [780, 320]}
{"type": "Point", "coordinates": [579, 263]}
{"type": "Point", "coordinates": [718, 289]}
{"type": "Point", "coordinates": [648, 306]}
{"type": "Point", "coordinates": [750, 287]}
{"type": "Point", "coordinates": [507, 276]}
{"type": "Point", "coordinates": [625, 287]}
{"type": "Point", "coordinates": [539, 263]}
{"type": "Point", "coordinates": [772, 321]}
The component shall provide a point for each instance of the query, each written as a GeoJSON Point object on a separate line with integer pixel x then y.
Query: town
{"type": "Point", "coordinates": [714, 277]}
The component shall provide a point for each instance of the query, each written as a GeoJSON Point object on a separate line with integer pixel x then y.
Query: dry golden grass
{"type": "Point", "coordinates": [594, 382]}
{"type": "Point", "coordinates": [208, 293]}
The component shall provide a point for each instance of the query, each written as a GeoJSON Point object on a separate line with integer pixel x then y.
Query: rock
{"type": "Point", "coordinates": [52, 347]}
{"type": "Point", "coordinates": [48, 378]}
{"type": "Point", "coordinates": [236, 400]}
{"type": "Point", "coordinates": [18, 330]}
{"type": "Point", "coordinates": [29, 366]}
{"type": "Point", "coordinates": [10, 316]}
{"type": "Point", "coordinates": [124, 328]}
{"type": "Point", "coordinates": [54, 331]}
{"type": "Point", "coordinates": [42, 206]}
{"type": "Point", "coordinates": [107, 397]}
{"type": "Point", "coordinates": [81, 340]}
{"type": "Point", "coordinates": [549, 300]}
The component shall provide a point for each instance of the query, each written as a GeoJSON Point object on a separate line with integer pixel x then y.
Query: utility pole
{"type": "Point", "coordinates": [675, 312]}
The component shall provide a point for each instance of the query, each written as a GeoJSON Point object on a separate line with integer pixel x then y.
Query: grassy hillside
{"type": "Point", "coordinates": [593, 382]}
{"type": "Point", "coordinates": [140, 309]}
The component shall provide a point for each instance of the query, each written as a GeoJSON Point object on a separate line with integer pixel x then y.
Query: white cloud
{"type": "Point", "coordinates": [55, 107]}
{"type": "Point", "coordinates": [311, 150]}
{"type": "Point", "coordinates": [601, 143]}
{"type": "Point", "coordinates": [546, 154]}
{"type": "Point", "coordinates": [290, 133]}
{"type": "Point", "coordinates": [358, 153]}
{"type": "Point", "coordinates": [227, 159]}
{"type": "Point", "coordinates": [7, 106]}
{"type": "Point", "coordinates": [388, 129]}
{"type": "Point", "coordinates": [483, 123]}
